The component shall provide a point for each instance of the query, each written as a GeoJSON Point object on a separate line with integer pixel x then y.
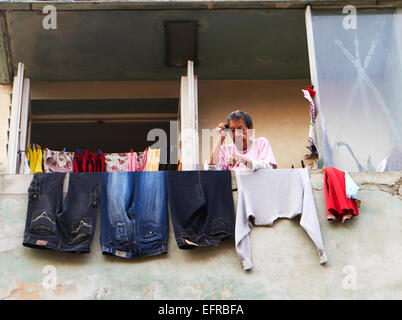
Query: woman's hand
{"type": "Point", "coordinates": [237, 158]}
{"type": "Point", "coordinates": [221, 131]}
{"type": "Point", "coordinates": [214, 156]}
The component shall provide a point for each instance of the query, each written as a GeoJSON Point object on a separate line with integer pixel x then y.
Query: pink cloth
{"type": "Point", "coordinates": [143, 163]}
{"type": "Point", "coordinates": [260, 149]}
{"type": "Point", "coordinates": [132, 161]}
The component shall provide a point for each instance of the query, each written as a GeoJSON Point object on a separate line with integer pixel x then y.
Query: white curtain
{"type": "Point", "coordinates": [359, 75]}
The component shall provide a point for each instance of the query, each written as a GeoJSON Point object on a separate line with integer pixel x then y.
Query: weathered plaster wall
{"type": "Point", "coordinates": [286, 265]}
{"type": "Point", "coordinates": [5, 91]}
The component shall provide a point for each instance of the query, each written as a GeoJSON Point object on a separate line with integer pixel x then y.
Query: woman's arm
{"type": "Point", "coordinates": [214, 156]}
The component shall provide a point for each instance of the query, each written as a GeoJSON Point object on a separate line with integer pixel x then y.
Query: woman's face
{"type": "Point", "coordinates": [240, 133]}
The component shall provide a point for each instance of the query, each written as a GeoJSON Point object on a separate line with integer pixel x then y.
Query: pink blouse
{"type": "Point", "coordinates": [260, 149]}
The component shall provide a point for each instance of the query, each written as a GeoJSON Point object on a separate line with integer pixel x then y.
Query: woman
{"type": "Point", "coordinates": [244, 152]}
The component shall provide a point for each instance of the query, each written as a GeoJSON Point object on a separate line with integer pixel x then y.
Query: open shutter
{"type": "Point", "coordinates": [188, 120]}
{"type": "Point", "coordinates": [19, 122]}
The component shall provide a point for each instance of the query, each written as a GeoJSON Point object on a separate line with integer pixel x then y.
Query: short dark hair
{"type": "Point", "coordinates": [240, 114]}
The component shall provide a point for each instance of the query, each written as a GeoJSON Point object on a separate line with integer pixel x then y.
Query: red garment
{"type": "Point", "coordinates": [311, 91]}
{"type": "Point", "coordinates": [338, 206]}
{"type": "Point", "coordinates": [87, 161]}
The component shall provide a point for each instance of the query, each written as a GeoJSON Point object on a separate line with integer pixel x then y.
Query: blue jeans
{"type": "Point", "coordinates": [68, 226]}
{"type": "Point", "coordinates": [134, 215]}
{"type": "Point", "coordinates": [201, 207]}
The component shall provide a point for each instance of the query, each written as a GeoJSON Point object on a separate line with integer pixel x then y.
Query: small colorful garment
{"type": "Point", "coordinates": [86, 161]}
{"type": "Point", "coordinates": [58, 161]}
{"type": "Point", "coordinates": [116, 162]}
{"type": "Point", "coordinates": [153, 159]}
{"type": "Point", "coordinates": [34, 157]}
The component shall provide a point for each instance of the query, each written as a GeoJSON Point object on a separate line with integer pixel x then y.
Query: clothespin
{"type": "Point", "coordinates": [131, 150]}
{"type": "Point", "coordinates": [79, 151]}
{"type": "Point", "coordinates": [293, 166]}
{"type": "Point", "coordinates": [302, 163]}
{"type": "Point", "coordinates": [64, 149]}
{"type": "Point", "coordinates": [99, 151]}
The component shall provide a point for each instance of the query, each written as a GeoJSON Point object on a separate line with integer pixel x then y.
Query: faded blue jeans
{"type": "Point", "coordinates": [134, 215]}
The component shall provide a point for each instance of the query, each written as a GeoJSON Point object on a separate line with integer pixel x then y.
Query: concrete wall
{"type": "Point", "coordinates": [364, 257]}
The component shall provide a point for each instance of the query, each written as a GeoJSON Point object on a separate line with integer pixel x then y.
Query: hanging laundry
{"type": "Point", "coordinates": [267, 195]}
{"type": "Point", "coordinates": [309, 95]}
{"type": "Point", "coordinates": [116, 162]}
{"type": "Point", "coordinates": [201, 207]}
{"type": "Point", "coordinates": [68, 226]}
{"type": "Point", "coordinates": [351, 188]}
{"type": "Point", "coordinates": [24, 166]}
{"type": "Point", "coordinates": [134, 214]}
{"type": "Point", "coordinates": [132, 161]}
{"type": "Point", "coordinates": [86, 161]}
{"type": "Point", "coordinates": [180, 166]}
{"type": "Point", "coordinates": [58, 161]}
{"type": "Point", "coordinates": [34, 157]}
{"type": "Point", "coordinates": [153, 159]}
{"type": "Point", "coordinates": [142, 160]}
{"type": "Point", "coordinates": [339, 206]}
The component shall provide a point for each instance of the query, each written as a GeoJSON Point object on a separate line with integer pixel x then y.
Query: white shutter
{"type": "Point", "coordinates": [19, 122]}
{"type": "Point", "coordinates": [188, 126]}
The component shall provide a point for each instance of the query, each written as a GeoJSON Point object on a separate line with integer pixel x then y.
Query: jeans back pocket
{"type": "Point", "coordinates": [82, 230]}
{"type": "Point", "coordinates": [43, 223]}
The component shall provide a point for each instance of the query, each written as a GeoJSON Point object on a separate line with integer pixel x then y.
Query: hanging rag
{"type": "Point", "coordinates": [142, 160]}
{"type": "Point", "coordinates": [57, 161]}
{"type": "Point", "coordinates": [309, 94]}
{"type": "Point", "coordinates": [132, 161]}
{"type": "Point", "coordinates": [86, 161]}
{"type": "Point", "coordinates": [153, 158]}
{"type": "Point", "coordinates": [339, 206]}
{"type": "Point", "coordinates": [116, 162]}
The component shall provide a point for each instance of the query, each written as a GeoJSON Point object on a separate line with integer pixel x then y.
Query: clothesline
{"type": "Point", "coordinates": [44, 161]}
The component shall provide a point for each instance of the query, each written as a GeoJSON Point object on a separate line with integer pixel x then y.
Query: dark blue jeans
{"type": "Point", "coordinates": [67, 226]}
{"type": "Point", "coordinates": [134, 215]}
{"type": "Point", "coordinates": [201, 207]}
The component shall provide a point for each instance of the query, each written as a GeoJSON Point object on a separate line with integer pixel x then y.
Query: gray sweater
{"type": "Point", "coordinates": [267, 195]}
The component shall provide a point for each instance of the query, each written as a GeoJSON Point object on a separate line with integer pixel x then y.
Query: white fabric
{"type": "Point", "coordinates": [311, 133]}
{"type": "Point", "coordinates": [24, 169]}
{"type": "Point", "coordinates": [381, 167]}
{"type": "Point", "coordinates": [260, 164]}
{"type": "Point", "coordinates": [359, 75]}
{"type": "Point", "coordinates": [255, 164]}
{"type": "Point", "coordinates": [351, 187]}
{"type": "Point", "coordinates": [268, 195]}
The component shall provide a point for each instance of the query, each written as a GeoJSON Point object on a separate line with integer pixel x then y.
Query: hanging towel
{"type": "Point", "coordinates": [338, 206]}
{"type": "Point", "coordinates": [153, 158]}
{"type": "Point", "coordinates": [57, 161]}
{"type": "Point", "coordinates": [267, 195]}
